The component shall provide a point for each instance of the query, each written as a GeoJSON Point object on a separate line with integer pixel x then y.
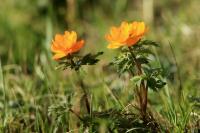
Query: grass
{"type": "Point", "coordinates": [35, 97]}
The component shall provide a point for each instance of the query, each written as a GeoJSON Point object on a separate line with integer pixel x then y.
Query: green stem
{"type": "Point", "coordinates": [143, 90]}
{"type": "Point", "coordinates": [83, 88]}
{"type": "Point", "coordinates": [85, 96]}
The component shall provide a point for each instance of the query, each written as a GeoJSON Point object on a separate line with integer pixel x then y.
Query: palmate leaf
{"type": "Point", "coordinates": [136, 80]}
{"type": "Point", "coordinates": [154, 81]}
{"type": "Point", "coordinates": [148, 42]}
{"type": "Point", "coordinates": [90, 59]}
{"type": "Point", "coordinates": [75, 62]}
{"type": "Point", "coordinates": [142, 60]}
{"type": "Point", "coordinates": [143, 51]}
{"type": "Point", "coordinates": [160, 84]}
{"type": "Point", "coordinates": [143, 47]}
{"type": "Point", "coordinates": [155, 84]}
{"type": "Point", "coordinates": [123, 63]}
{"type": "Point", "coordinates": [152, 72]}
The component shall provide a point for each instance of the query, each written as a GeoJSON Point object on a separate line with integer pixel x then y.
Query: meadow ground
{"type": "Point", "coordinates": [36, 97]}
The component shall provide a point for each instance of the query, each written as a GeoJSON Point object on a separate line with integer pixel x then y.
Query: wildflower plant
{"type": "Point", "coordinates": [65, 48]}
{"type": "Point", "coordinates": [134, 58]}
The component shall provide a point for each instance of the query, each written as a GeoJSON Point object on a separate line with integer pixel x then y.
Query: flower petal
{"type": "Point", "coordinates": [58, 37]}
{"type": "Point", "coordinates": [59, 55]}
{"type": "Point", "coordinates": [108, 37]}
{"type": "Point", "coordinates": [77, 46]}
{"type": "Point", "coordinates": [127, 34]}
{"type": "Point", "coordinates": [69, 39]}
{"type": "Point", "coordinates": [114, 45]}
{"type": "Point", "coordinates": [65, 44]}
{"type": "Point", "coordinates": [55, 47]}
{"type": "Point", "coordinates": [140, 30]}
{"type": "Point", "coordinates": [132, 41]}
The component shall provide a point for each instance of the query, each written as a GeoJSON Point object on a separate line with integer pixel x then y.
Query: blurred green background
{"type": "Point", "coordinates": [27, 27]}
{"type": "Point", "coordinates": [28, 78]}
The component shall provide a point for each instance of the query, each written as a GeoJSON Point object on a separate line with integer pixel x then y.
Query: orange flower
{"type": "Point", "coordinates": [65, 44]}
{"type": "Point", "coordinates": [127, 34]}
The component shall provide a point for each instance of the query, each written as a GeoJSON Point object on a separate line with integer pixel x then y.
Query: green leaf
{"type": "Point", "coordinates": [142, 60]}
{"type": "Point", "coordinates": [148, 42]}
{"type": "Point", "coordinates": [137, 79]}
{"type": "Point", "coordinates": [142, 51]}
{"type": "Point", "coordinates": [151, 82]}
{"type": "Point", "coordinates": [152, 72]}
{"type": "Point", "coordinates": [89, 59]}
{"type": "Point", "coordinates": [160, 84]}
{"type": "Point", "coordinates": [75, 62]}
{"type": "Point", "coordinates": [155, 84]}
{"type": "Point", "coordinates": [123, 63]}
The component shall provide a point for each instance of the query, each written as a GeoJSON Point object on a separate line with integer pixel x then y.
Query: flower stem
{"type": "Point", "coordinates": [76, 114]}
{"type": "Point", "coordinates": [82, 87]}
{"type": "Point", "coordinates": [85, 96]}
{"type": "Point", "coordinates": [143, 89]}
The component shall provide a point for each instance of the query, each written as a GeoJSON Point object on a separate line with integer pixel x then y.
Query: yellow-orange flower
{"type": "Point", "coordinates": [65, 44]}
{"type": "Point", "coordinates": [126, 34]}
